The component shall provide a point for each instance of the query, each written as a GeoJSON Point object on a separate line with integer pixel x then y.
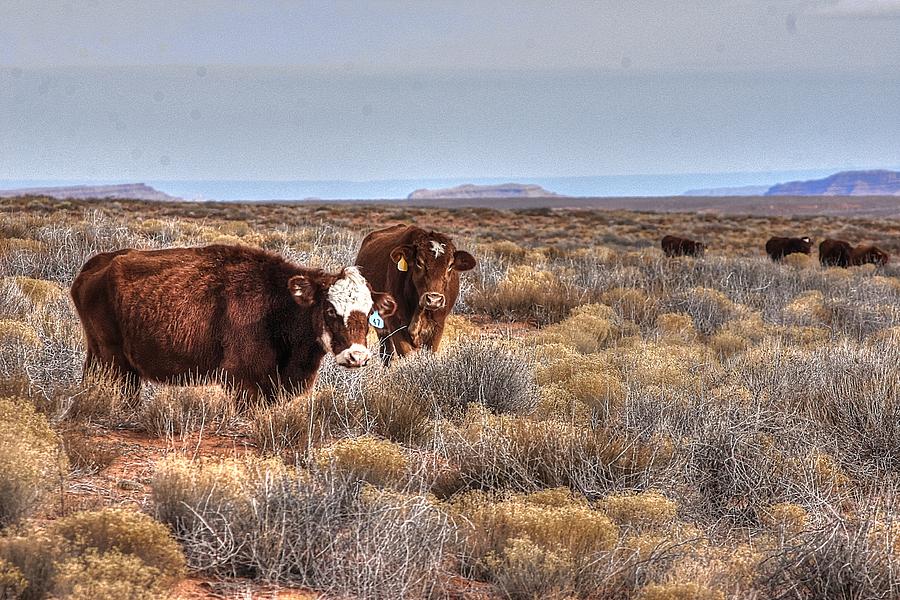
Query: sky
{"type": "Point", "coordinates": [141, 91]}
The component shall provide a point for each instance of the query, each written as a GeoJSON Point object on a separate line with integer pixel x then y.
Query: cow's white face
{"type": "Point", "coordinates": [343, 304]}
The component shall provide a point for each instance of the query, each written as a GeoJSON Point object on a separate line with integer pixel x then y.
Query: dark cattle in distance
{"type": "Point", "coordinates": [420, 269]}
{"type": "Point", "coordinates": [245, 316]}
{"type": "Point", "coordinates": [835, 253]}
{"type": "Point", "coordinates": [678, 246]}
{"type": "Point", "coordinates": [779, 247]}
{"type": "Point", "coordinates": [862, 255]}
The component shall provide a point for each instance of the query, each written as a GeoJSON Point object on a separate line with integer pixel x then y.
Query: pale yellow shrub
{"type": "Point", "coordinates": [679, 591]}
{"type": "Point", "coordinates": [573, 528]}
{"type": "Point", "coordinates": [676, 327]}
{"type": "Point", "coordinates": [109, 576]}
{"type": "Point", "coordinates": [587, 329]}
{"type": "Point", "coordinates": [643, 510]}
{"type": "Point", "coordinates": [557, 402]}
{"type": "Point", "coordinates": [31, 460]}
{"type": "Point", "coordinates": [39, 291]}
{"type": "Point", "coordinates": [808, 308]}
{"type": "Point", "coordinates": [377, 461]}
{"type": "Point", "coordinates": [12, 582]}
{"type": "Point", "coordinates": [785, 516]}
{"type": "Point", "coordinates": [726, 344]}
{"type": "Point", "coordinates": [19, 333]}
{"type": "Point", "coordinates": [458, 327]}
{"type": "Point", "coordinates": [634, 304]}
{"type": "Point", "coordinates": [524, 569]}
{"type": "Point", "coordinates": [799, 261]}
{"type": "Point", "coordinates": [126, 532]}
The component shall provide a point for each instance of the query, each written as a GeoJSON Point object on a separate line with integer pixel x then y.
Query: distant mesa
{"type": "Point", "coordinates": [747, 190]}
{"type": "Point", "coordinates": [133, 191]}
{"type": "Point", "coordinates": [471, 191]}
{"type": "Point", "coordinates": [845, 183]}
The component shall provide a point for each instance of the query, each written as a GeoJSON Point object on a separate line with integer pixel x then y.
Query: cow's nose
{"type": "Point", "coordinates": [434, 300]}
{"type": "Point", "coordinates": [358, 357]}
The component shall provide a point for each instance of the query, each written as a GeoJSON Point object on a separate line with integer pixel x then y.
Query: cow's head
{"type": "Point", "coordinates": [804, 245]}
{"type": "Point", "coordinates": [875, 255]}
{"type": "Point", "coordinates": [341, 304]}
{"type": "Point", "coordinates": [432, 262]}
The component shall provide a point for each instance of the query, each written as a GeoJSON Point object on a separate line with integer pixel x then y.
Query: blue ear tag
{"type": "Point", "coordinates": [376, 321]}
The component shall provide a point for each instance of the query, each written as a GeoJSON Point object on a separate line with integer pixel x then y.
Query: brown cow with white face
{"type": "Point", "coordinates": [420, 269]}
{"type": "Point", "coordinates": [248, 316]}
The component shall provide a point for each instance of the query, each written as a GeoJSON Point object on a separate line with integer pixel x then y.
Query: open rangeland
{"type": "Point", "coordinates": [601, 421]}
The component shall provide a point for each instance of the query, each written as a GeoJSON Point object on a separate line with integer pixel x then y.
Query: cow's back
{"type": "Point", "coordinates": [179, 311]}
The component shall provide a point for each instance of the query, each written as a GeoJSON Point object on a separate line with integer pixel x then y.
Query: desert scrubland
{"type": "Point", "coordinates": [601, 421]}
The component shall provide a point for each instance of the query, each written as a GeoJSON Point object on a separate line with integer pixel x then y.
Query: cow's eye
{"type": "Point", "coordinates": [330, 311]}
{"type": "Point", "coordinates": [449, 267]}
{"type": "Point", "coordinates": [420, 263]}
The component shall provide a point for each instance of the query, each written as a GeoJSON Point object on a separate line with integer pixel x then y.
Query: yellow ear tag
{"type": "Point", "coordinates": [401, 264]}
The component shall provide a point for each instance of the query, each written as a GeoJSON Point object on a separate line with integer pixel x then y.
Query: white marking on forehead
{"type": "Point", "coordinates": [350, 293]}
{"type": "Point", "coordinates": [438, 248]}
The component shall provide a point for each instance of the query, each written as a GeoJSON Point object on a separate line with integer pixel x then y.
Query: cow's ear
{"type": "Point", "coordinates": [303, 288]}
{"type": "Point", "coordinates": [401, 256]}
{"type": "Point", "coordinates": [384, 303]}
{"type": "Point", "coordinates": [463, 261]}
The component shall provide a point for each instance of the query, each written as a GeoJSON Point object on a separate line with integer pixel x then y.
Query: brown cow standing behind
{"type": "Point", "coordinates": [678, 246]}
{"type": "Point", "coordinates": [779, 247]}
{"type": "Point", "coordinates": [868, 254]}
{"type": "Point", "coordinates": [835, 253]}
{"type": "Point", "coordinates": [420, 269]}
{"type": "Point", "coordinates": [259, 322]}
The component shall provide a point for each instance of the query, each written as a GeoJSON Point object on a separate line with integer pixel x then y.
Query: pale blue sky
{"type": "Point", "coordinates": [415, 90]}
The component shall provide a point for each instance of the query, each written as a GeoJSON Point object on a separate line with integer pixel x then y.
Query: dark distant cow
{"type": "Point", "coordinates": [835, 253]}
{"type": "Point", "coordinates": [420, 269]}
{"type": "Point", "coordinates": [260, 323]}
{"type": "Point", "coordinates": [779, 247]}
{"type": "Point", "coordinates": [868, 254]}
{"type": "Point", "coordinates": [678, 246]}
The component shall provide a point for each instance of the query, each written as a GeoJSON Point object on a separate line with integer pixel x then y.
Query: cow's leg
{"type": "Point", "coordinates": [403, 345]}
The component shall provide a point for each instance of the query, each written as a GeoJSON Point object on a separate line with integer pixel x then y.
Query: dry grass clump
{"type": "Point", "coordinates": [108, 576]}
{"type": "Point", "coordinates": [842, 558]}
{"type": "Point", "coordinates": [269, 522]}
{"type": "Point", "coordinates": [527, 294]}
{"type": "Point", "coordinates": [643, 510]}
{"type": "Point", "coordinates": [633, 304]}
{"type": "Point", "coordinates": [475, 372]}
{"type": "Point", "coordinates": [297, 424]}
{"type": "Point", "coordinates": [515, 453]}
{"type": "Point", "coordinates": [572, 381]}
{"type": "Point", "coordinates": [98, 397]}
{"type": "Point", "coordinates": [787, 517]}
{"type": "Point", "coordinates": [85, 454]}
{"type": "Point", "coordinates": [31, 460]}
{"type": "Point", "coordinates": [38, 291]}
{"type": "Point", "coordinates": [12, 582]}
{"type": "Point", "coordinates": [458, 328]}
{"type": "Point", "coordinates": [176, 410]}
{"type": "Point", "coordinates": [125, 532]}
{"type": "Point", "coordinates": [109, 554]}
{"type": "Point", "coordinates": [18, 333]}
{"type": "Point", "coordinates": [379, 462]}
{"type": "Point", "coordinates": [710, 308]}
{"type": "Point", "coordinates": [532, 548]}
{"type": "Point", "coordinates": [676, 327]}
{"type": "Point", "coordinates": [588, 328]}
{"type": "Point", "coordinates": [679, 591]}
